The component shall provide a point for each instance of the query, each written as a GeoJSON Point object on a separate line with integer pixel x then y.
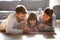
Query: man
{"type": "Point", "coordinates": [15, 20]}
{"type": "Point", "coordinates": [46, 20]}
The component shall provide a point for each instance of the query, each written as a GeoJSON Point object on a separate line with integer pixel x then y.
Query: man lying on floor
{"type": "Point", "coordinates": [14, 20]}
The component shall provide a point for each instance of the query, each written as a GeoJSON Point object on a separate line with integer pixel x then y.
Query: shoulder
{"type": "Point", "coordinates": [11, 16]}
{"type": "Point", "coordinates": [54, 17]}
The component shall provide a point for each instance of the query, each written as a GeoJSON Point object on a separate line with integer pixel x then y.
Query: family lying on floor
{"type": "Point", "coordinates": [18, 22]}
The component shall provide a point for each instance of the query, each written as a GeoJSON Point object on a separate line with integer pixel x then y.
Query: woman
{"type": "Point", "coordinates": [46, 20]}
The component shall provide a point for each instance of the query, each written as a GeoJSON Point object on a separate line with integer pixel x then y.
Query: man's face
{"type": "Point", "coordinates": [21, 16]}
{"type": "Point", "coordinates": [45, 17]}
{"type": "Point", "coordinates": [32, 22]}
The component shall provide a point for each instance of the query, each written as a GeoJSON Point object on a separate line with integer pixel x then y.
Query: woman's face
{"type": "Point", "coordinates": [45, 17]}
{"type": "Point", "coordinates": [32, 22]}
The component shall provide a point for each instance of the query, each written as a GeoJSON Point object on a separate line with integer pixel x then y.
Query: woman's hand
{"type": "Point", "coordinates": [41, 25]}
{"type": "Point", "coordinates": [35, 29]}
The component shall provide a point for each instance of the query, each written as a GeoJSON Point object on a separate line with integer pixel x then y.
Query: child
{"type": "Point", "coordinates": [45, 20]}
{"type": "Point", "coordinates": [31, 24]}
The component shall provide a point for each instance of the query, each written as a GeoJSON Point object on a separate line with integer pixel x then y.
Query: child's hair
{"type": "Point", "coordinates": [48, 11]}
{"type": "Point", "coordinates": [32, 16]}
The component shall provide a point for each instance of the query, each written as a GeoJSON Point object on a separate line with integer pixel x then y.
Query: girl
{"type": "Point", "coordinates": [31, 24]}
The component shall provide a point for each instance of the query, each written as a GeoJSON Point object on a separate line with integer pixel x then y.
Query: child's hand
{"type": "Point", "coordinates": [35, 29]}
{"type": "Point", "coordinates": [22, 27]}
{"type": "Point", "coordinates": [27, 30]}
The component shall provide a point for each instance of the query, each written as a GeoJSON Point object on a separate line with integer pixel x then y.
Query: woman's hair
{"type": "Point", "coordinates": [48, 11]}
{"type": "Point", "coordinates": [32, 16]}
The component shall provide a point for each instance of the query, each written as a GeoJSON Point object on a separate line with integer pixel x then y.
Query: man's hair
{"type": "Point", "coordinates": [20, 9]}
{"type": "Point", "coordinates": [48, 11]}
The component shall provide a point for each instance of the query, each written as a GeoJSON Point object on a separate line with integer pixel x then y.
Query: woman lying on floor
{"type": "Point", "coordinates": [46, 21]}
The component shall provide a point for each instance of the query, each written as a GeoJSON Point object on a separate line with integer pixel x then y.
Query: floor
{"type": "Point", "coordinates": [37, 36]}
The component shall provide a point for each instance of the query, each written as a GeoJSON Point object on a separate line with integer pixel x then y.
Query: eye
{"type": "Point", "coordinates": [47, 17]}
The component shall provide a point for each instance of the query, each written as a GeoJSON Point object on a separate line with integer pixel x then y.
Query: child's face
{"type": "Point", "coordinates": [32, 22]}
{"type": "Point", "coordinates": [45, 17]}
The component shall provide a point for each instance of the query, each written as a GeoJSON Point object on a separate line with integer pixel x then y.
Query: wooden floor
{"type": "Point", "coordinates": [40, 36]}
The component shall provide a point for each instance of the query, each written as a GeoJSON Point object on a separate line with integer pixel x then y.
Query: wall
{"type": "Point", "coordinates": [8, 5]}
{"type": "Point", "coordinates": [34, 5]}
{"type": "Point", "coordinates": [54, 2]}
{"type": "Point", "coordinates": [30, 5]}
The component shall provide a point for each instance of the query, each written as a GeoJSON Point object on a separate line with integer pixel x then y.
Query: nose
{"type": "Point", "coordinates": [23, 17]}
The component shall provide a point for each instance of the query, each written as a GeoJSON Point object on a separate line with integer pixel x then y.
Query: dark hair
{"type": "Point", "coordinates": [20, 10]}
{"type": "Point", "coordinates": [32, 16]}
{"type": "Point", "coordinates": [48, 11]}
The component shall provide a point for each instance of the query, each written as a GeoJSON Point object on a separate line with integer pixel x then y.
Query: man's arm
{"type": "Point", "coordinates": [10, 25]}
